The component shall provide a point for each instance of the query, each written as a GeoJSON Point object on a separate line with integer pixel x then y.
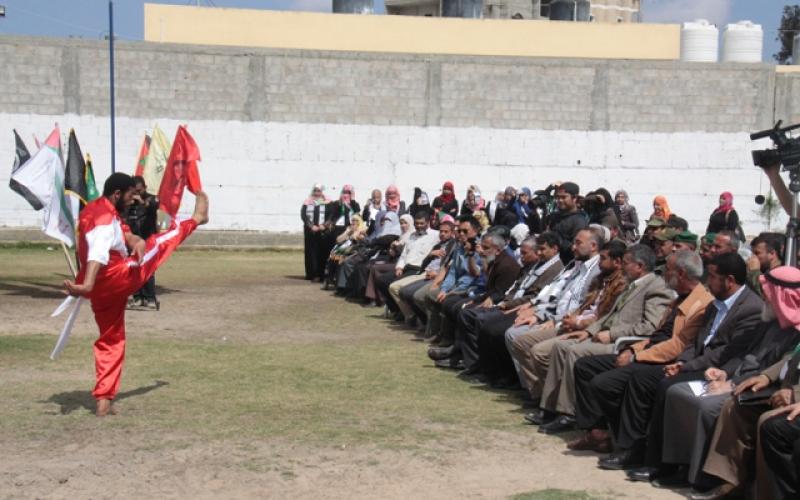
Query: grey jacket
{"type": "Point", "coordinates": [637, 313]}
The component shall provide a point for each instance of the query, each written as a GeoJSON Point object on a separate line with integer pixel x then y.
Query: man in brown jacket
{"type": "Point", "coordinates": [678, 328]}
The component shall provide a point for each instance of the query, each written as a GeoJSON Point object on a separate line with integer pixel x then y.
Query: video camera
{"type": "Point", "coordinates": [786, 150]}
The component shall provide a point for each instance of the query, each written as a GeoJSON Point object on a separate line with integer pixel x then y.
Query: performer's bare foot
{"type": "Point", "coordinates": [103, 407]}
{"type": "Point", "coordinates": [200, 214]}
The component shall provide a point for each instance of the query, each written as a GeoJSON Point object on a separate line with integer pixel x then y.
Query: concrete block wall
{"type": "Point", "coordinates": [272, 122]}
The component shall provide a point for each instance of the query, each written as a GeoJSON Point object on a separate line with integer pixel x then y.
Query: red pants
{"type": "Point", "coordinates": [117, 280]}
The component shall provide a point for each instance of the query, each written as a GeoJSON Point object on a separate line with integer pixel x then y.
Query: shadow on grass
{"type": "Point", "coordinates": [32, 289]}
{"type": "Point", "coordinates": [74, 400]}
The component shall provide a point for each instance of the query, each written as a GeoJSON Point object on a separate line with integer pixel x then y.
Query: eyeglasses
{"type": "Point", "coordinates": [463, 231]}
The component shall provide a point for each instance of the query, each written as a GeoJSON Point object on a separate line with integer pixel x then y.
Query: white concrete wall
{"type": "Point", "coordinates": [257, 173]}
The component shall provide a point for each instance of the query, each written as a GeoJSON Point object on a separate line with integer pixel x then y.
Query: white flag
{"type": "Point", "coordinates": [43, 176]}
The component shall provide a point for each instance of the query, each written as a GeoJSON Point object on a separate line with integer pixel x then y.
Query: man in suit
{"type": "Point", "coordinates": [636, 312]}
{"type": "Point", "coordinates": [489, 340]}
{"type": "Point", "coordinates": [678, 328]}
{"type": "Point", "coordinates": [497, 315]}
{"type": "Point", "coordinates": [540, 319]}
{"type": "Point", "coordinates": [730, 454]}
{"type": "Point", "coordinates": [501, 271]}
{"type": "Point", "coordinates": [730, 323]}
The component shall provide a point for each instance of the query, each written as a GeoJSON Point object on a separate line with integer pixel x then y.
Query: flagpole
{"type": "Point", "coordinates": [69, 260]}
{"type": "Point", "coordinates": [111, 72]}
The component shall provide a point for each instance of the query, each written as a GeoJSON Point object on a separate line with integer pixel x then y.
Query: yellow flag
{"type": "Point", "coordinates": [156, 160]}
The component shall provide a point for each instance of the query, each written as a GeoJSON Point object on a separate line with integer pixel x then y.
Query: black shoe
{"type": "Point", "coordinates": [539, 417]}
{"type": "Point", "coordinates": [449, 363]}
{"type": "Point", "coordinates": [642, 474]}
{"type": "Point", "coordinates": [507, 384]}
{"type": "Point", "coordinates": [726, 490]}
{"type": "Point", "coordinates": [678, 479]}
{"type": "Point", "coordinates": [469, 371]}
{"type": "Point", "coordinates": [627, 459]}
{"type": "Point", "coordinates": [562, 423]}
{"type": "Point", "coordinates": [473, 378]}
{"type": "Point", "coordinates": [437, 353]}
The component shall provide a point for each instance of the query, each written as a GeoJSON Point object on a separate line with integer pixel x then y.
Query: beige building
{"type": "Point", "coordinates": [409, 34]}
{"type": "Point", "coordinates": [602, 11]}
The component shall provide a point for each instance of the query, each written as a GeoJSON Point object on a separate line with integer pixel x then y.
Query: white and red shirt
{"type": "Point", "coordinates": [101, 235]}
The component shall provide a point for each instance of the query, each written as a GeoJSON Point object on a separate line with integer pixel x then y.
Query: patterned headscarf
{"type": "Point", "coordinates": [781, 288]}
{"type": "Point", "coordinates": [347, 194]}
{"type": "Point", "coordinates": [312, 200]}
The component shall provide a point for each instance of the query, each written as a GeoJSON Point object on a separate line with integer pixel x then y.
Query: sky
{"type": "Point", "coordinates": [89, 18]}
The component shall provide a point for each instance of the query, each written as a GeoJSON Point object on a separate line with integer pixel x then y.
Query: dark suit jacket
{"type": "Point", "coordinates": [734, 335]}
{"type": "Point", "coordinates": [770, 344]}
{"type": "Point", "coordinates": [534, 288]}
{"type": "Point", "coordinates": [501, 275]}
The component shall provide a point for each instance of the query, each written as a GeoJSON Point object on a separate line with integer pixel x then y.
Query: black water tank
{"type": "Point", "coordinates": [462, 8]}
{"type": "Point", "coordinates": [565, 10]}
{"type": "Point", "coordinates": [353, 6]}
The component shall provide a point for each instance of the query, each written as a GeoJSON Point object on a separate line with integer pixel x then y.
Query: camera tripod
{"type": "Point", "coordinates": [792, 226]}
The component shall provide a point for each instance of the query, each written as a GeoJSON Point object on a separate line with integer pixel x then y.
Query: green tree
{"type": "Point", "coordinates": [790, 26]}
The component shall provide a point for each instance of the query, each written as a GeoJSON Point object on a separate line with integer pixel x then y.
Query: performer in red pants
{"type": "Point", "coordinates": [114, 264]}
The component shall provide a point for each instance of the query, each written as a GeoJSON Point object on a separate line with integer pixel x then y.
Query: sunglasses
{"type": "Point", "coordinates": [463, 231]}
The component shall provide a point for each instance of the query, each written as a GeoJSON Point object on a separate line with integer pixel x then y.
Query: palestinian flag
{"type": "Point", "coordinates": [142, 156]}
{"type": "Point", "coordinates": [21, 155]}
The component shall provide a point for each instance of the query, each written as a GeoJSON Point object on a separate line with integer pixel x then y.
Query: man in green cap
{"type": "Point", "coordinates": [705, 247]}
{"type": "Point", "coordinates": [663, 248]}
{"type": "Point", "coordinates": [654, 225]}
{"type": "Point", "coordinates": [686, 240]}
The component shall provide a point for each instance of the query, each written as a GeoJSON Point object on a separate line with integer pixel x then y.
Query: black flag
{"type": "Point", "coordinates": [21, 156]}
{"type": "Point", "coordinates": [75, 175]}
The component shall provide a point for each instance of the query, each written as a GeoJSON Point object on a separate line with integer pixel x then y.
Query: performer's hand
{"type": "Point", "coordinates": [793, 410]}
{"type": "Point", "coordinates": [440, 298]}
{"type": "Point", "coordinates": [603, 337]}
{"type": "Point", "coordinates": [139, 251]}
{"type": "Point", "coordinates": [76, 290]}
{"type": "Point", "coordinates": [398, 273]}
{"type": "Point", "coordinates": [754, 384]}
{"type": "Point", "coordinates": [781, 398]}
{"type": "Point", "coordinates": [486, 304]}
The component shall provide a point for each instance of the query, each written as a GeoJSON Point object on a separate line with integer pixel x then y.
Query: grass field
{"type": "Point", "coordinates": [250, 382]}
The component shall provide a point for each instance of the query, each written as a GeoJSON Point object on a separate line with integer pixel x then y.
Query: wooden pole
{"type": "Point", "coordinates": [69, 260]}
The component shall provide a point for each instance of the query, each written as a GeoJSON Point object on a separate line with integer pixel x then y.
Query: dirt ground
{"type": "Point", "coordinates": [340, 428]}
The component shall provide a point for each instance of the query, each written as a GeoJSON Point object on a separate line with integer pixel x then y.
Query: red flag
{"type": "Point", "coordinates": [181, 171]}
{"type": "Point", "coordinates": [142, 155]}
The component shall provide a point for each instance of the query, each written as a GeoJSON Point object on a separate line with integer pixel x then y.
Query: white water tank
{"type": "Point", "coordinates": [699, 41]}
{"type": "Point", "coordinates": [742, 42]}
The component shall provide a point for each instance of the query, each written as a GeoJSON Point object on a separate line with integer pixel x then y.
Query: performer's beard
{"type": "Point", "coordinates": [120, 205]}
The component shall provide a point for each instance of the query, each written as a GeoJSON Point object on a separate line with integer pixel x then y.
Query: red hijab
{"type": "Point", "coordinates": [448, 197]}
{"type": "Point", "coordinates": [728, 205]}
